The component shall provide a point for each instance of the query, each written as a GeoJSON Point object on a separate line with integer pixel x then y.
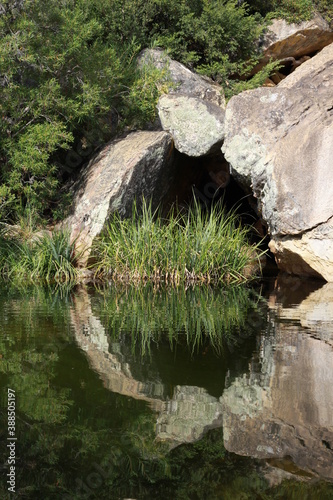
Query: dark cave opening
{"type": "Point", "coordinates": [208, 181]}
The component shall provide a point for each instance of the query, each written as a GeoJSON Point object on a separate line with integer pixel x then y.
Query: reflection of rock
{"type": "Point", "coordinates": [185, 417]}
{"type": "Point", "coordinates": [284, 407]}
{"type": "Point", "coordinates": [111, 366]}
{"type": "Point", "coordinates": [190, 413]}
{"type": "Point", "coordinates": [275, 471]}
{"type": "Point", "coordinates": [88, 329]}
{"type": "Point", "coordinates": [315, 312]}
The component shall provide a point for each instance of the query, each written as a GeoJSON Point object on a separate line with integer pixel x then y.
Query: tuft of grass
{"type": "Point", "coordinates": [44, 258]}
{"type": "Point", "coordinates": [198, 247]}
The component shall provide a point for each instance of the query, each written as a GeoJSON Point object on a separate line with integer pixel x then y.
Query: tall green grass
{"type": "Point", "coordinates": [42, 258]}
{"type": "Point", "coordinates": [196, 247]}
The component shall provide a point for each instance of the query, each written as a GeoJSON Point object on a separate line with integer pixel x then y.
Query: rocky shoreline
{"type": "Point", "coordinates": [276, 142]}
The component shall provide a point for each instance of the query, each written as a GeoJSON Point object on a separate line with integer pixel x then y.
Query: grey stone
{"type": "Point", "coordinates": [279, 143]}
{"type": "Point", "coordinates": [196, 125]}
{"type": "Point", "coordinates": [193, 110]}
{"type": "Point", "coordinates": [184, 80]}
{"type": "Point", "coordinates": [125, 170]}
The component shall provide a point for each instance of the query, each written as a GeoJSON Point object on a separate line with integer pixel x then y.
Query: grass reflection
{"type": "Point", "coordinates": [197, 314]}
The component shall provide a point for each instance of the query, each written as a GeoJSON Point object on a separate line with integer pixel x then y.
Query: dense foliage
{"type": "Point", "coordinates": [68, 75]}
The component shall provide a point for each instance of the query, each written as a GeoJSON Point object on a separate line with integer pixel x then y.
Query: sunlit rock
{"type": "Point", "coordinates": [293, 43]}
{"type": "Point", "coordinates": [279, 143]}
{"type": "Point", "coordinates": [183, 80]}
{"type": "Point", "coordinates": [126, 169]}
{"type": "Point", "coordinates": [196, 125]}
{"type": "Point", "coordinates": [284, 39]}
{"type": "Point", "coordinates": [193, 110]}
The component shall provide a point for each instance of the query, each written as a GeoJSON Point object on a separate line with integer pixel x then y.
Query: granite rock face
{"type": "Point", "coordinates": [293, 43]}
{"type": "Point", "coordinates": [125, 170]}
{"type": "Point", "coordinates": [296, 39]}
{"type": "Point", "coordinates": [193, 110]}
{"type": "Point", "coordinates": [279, 143]}
{"type": "Point", "coordinates": [196, 125]}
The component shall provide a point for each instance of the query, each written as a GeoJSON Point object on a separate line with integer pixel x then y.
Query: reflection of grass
{"type": "Point", "coordinates": [198, 313]}
{"type": "Point", "coordinates": [193, 247]}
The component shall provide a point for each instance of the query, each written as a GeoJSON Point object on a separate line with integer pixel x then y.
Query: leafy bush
{"type": "Point", "coordinates": [58, 78]}
{"type": "Point", "coordinates": [325, 7]}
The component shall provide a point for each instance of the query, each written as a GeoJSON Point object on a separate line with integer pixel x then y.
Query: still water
{"type": "Point", "coordinates": [159, 393]}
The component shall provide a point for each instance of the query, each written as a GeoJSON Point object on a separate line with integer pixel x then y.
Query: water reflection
{"type": "Point", "coordinates": [111, 380]}
{"type": "Point", "coordinates": [204, 321]}
{"type": "Point", "coordinates": [283, 407]}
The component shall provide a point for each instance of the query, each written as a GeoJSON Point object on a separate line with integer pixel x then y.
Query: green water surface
{"type": "Point", "coordinates": [161, 393]}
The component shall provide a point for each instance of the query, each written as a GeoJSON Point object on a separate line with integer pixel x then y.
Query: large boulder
{"type": "Point", "coordinates": [183, 80]}
{"type": "Point", "coordinates": [196, 125]}
{"type": "Point", "coordinates": [193, 110]}
{"type": "Point", "coordinates": [279, 143]}
{"type": "Point", "coordinates": [296, 39]}
{"type": "Point", "coordinates": [125, 170]}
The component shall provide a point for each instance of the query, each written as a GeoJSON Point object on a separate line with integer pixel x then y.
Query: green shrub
{"type": "Point", "coordinates": [325, 7]}
{"type": "Point", "coordinates": [59, 78]}
{"type": "Point", "coordinates": [294, 11]}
